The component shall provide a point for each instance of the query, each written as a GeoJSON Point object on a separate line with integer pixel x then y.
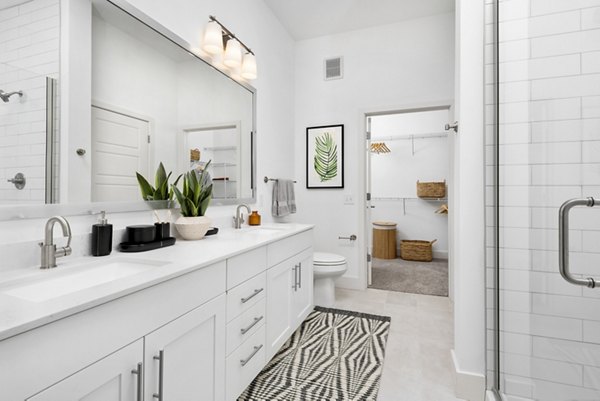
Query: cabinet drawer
{"type": "Point", "coordinates": [281, 250]}
{"type": "Point", "coordinates": [246, 295]}
{"type": "Point", "coordinates": [245, 325]}
{"type": "Point", "coordinates": [241, 267]}
{"type": "Point", "coordinates": [244, 364]}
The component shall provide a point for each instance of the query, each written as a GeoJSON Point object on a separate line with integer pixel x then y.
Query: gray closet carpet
{"type": "Point", "coordinates": [428, 278]}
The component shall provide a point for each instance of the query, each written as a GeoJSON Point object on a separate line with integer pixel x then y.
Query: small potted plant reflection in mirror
{"type": "Point", "coordinates": [162, 191]}
{"type": "Point", "coordinates": [193, 200]}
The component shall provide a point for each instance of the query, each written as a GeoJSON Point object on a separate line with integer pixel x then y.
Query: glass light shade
{"type": "Point", "coordinates": [217, 61]}
{"type": "Point", "coordinates": [233, 54]}
{"type": "Point", "coordinates": [249, 66]}
{"type": "Point", "coordinates": [213, 38]}
{"type": "Point", "coordinates": [236, 73]}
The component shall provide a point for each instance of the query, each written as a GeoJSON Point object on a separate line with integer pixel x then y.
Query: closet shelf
{"type": "Point", "coordinates": [409, 199]}
{"type": "Point", "coordinates": [220, 148]}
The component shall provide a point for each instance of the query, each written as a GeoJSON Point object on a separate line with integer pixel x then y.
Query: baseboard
{"type": "Point", "coordinates": [468, 386]}
{"type": "Point", "coordinates": [436, 254]}
{"type": "Point", "coordinates": [349, 283]}
{"type": "Point", "coordinates": [440, 255]}
{"type": "Point", "coordinates": [491, 396]}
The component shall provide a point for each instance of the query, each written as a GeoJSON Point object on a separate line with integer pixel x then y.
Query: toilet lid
{"type": "Point", "coordinates": [328, 259]}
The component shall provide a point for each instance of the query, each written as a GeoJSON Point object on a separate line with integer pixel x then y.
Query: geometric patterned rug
{"type": "Point", "coordinates": [334, 355]}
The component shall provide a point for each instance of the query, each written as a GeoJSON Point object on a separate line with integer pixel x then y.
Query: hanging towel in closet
{"type": "Point", "coordinates": [284, 200]}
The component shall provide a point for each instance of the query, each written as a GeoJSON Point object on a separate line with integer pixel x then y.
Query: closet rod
{"type": "Point", "coordinates": [409, 137]}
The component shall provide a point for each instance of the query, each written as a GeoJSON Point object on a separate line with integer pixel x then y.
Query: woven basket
{"type": "Point", "coordinates": [419, 251]}
{"type": "Point", "coordinates": [431, 189]}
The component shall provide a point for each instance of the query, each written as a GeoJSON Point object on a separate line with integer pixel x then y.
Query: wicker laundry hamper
{"type": "Point", "coordinates": [435, 190]}
{"type": "Point", "coordinates": [420, 251]}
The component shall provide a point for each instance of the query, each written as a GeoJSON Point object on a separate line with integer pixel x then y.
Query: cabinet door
{"type": "Point", "coordinates": [303, 296]}
{"type": "Point", "coordinates": [110, 379]}
{"type": "Point", "coordinates": [280, 289]}
{"type": "Point", "coordinates": [185, 359]}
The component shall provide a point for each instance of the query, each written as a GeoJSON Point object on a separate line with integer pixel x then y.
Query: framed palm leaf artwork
{"type": "Point", "coordinates": [325, 156]}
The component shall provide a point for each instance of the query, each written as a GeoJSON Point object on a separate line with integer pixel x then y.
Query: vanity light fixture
{"type": "Point", "coordinates": [236, 55]}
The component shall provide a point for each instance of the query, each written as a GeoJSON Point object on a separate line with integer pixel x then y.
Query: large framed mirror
{"type": "Point", "coordinates": [151, 100]}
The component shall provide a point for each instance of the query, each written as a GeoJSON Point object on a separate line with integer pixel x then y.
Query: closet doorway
{"type": "Point", "coordinates": [408, 173]}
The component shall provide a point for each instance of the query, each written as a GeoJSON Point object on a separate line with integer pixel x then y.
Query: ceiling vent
{"type": "Point", "coordinates": [333, 68]}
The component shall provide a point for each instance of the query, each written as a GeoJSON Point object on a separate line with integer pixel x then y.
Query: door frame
{"type": "Point", "coordinates": [363, 225]}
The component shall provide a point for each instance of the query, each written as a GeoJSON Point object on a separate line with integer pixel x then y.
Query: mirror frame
{"type": "Point", "coordinates": [32, 211]}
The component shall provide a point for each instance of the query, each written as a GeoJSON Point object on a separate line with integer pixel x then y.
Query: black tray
{"type": "Point", "coordinates": [146, 246]}
{"type": "Point", "coordinates": [212, 231]}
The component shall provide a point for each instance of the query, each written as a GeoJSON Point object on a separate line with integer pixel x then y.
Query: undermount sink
{"type": "Point", "coordinates": [50, 284]}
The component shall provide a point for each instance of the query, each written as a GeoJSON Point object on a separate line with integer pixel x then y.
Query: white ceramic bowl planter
{"type": "Point", "coordinates": [192, 228]}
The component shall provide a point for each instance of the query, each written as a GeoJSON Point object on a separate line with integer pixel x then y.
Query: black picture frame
{"type": "Point", "coordinates": [325, 157]}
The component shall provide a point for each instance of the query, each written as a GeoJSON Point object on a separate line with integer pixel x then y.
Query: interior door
{"type": "Point", "coordinates": [120, 147]}
{"type": "Point", "coordinates": [110, 379]}
{"type": "Point", "coordinates": [185, 359]}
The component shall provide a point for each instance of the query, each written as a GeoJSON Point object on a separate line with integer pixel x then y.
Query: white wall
{"type": "Point", "coordinates": [254, 23]}
{"type": "Point", "coordinates": [467, 206]}
{"type": "Point", "coordinates": [29, 42]}
{"type": "Point", "coordinates": [131, 77]}
{"type": "Point", "coordinates": [386, 68]}
{"type": "Point", "coordinates": [394, 174]}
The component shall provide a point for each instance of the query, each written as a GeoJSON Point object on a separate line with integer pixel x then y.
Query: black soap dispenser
{"type": "Point", "coordinates": [102, 237]}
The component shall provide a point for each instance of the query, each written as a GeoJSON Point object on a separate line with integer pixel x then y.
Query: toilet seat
{"type": "Point", "coordinates": [328, 259]}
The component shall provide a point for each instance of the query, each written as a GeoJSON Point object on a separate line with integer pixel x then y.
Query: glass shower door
{"type": "Point", "coordinates": [546, 151]}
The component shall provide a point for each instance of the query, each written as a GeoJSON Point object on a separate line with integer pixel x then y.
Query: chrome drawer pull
{"type": "Point", "coordinates": [256, 320]}
{"type": "Point", "coordinates": [161, 365]}
{"type": "Point", "coordinates": [245, 361]}
{"type": "Point", "coordinates": [249, 297]}
{"type": "Point", "coordinates": [295, 286]}
{"type": "Point", "coordinates": [140, 380]}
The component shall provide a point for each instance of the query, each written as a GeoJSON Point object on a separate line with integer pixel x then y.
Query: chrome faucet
{"type": "Point", "coordinates": [49, 251]}
{"type": "Point", "coordinates": [238, 220]}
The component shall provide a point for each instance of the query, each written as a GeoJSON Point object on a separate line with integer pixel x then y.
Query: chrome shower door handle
{"type": "Point", "coordinates": [563, 241]}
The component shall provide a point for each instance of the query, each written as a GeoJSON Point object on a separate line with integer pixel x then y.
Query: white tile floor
{"type": "Point", "coordinates": [418, 365]}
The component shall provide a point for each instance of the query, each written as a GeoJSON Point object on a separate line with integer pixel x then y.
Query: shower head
{"type": "Point", "coordinates": [5, 96]}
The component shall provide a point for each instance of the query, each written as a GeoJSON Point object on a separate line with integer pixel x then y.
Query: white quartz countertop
{"type": "Point", "coordinates": [18, 314]}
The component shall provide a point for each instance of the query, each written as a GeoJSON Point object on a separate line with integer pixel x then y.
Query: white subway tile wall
{"type": "Point", "coordinates": [29, 52]}
{"type": "Point", "coordinates": [549, 152]}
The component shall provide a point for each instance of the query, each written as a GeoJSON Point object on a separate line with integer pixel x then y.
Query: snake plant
{"type": "Point", "coordinates": [196, 194]}
{"type": "Point", "coordinates": [325, 160]}
{"type": "Point", "coordinates": [162, 191]}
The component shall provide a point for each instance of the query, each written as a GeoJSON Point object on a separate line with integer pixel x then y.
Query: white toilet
{"type": "Point", "coordinates": [326, 268]}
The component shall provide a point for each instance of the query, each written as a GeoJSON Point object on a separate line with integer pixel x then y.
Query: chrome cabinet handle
{"type": "Point", "coordinates": [351, 238]}
{"type": "Point", "coordinates": [140, 380]}
{"type": "Point", "coordinates": [563, 241]}
{"type": "Point", "coordinates": [295, 286]}
{"type": "Point", "coordinates": [300, 275]}
{"type": "Point", "coordinates": [245, 361]}
{"type": "Point", "coordinates": [249, 297]}
{"type": "Point", "coordinates": [247, 329]}
{"type": "Point", "coordinates": [161, 364]}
